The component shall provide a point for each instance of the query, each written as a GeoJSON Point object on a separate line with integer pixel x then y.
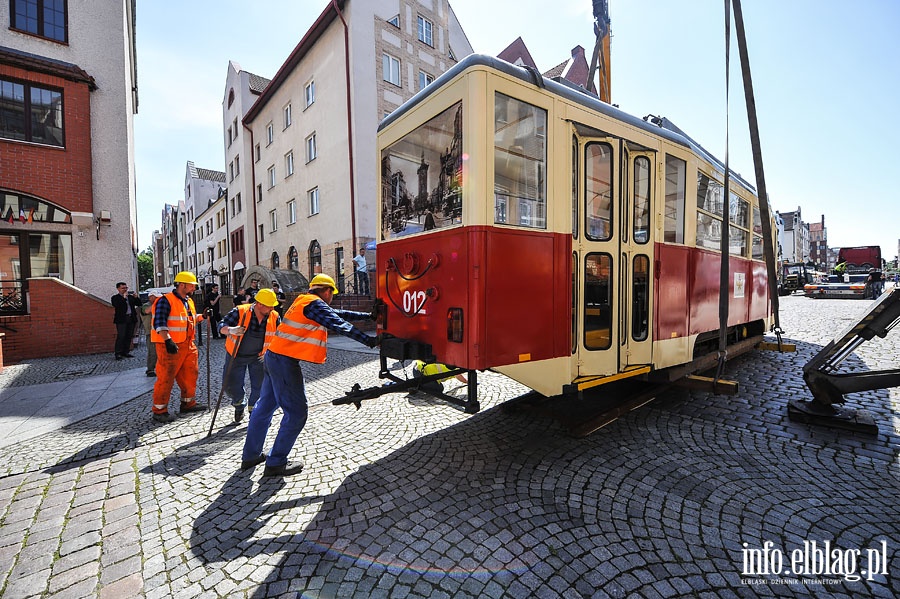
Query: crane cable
{"type": "Point", "coordinates": [768, 245]}
{"type": "Point", "coordinates": [724, 287]}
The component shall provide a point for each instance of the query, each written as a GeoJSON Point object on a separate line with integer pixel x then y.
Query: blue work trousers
{"type": "Point", "coordinates": [234, 382]}
{"type": "Point", "coordinates": [282, 388]}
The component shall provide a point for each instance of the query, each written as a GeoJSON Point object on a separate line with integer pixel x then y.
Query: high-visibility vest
{"type": "Point", "coordinates": [245, 313]}
{"type": "Point", "coordinates": [180, 323]}
{"type": "Point", "coordinates": [299, 337]}
{"type": "Point", "coordinates": [430, 369]}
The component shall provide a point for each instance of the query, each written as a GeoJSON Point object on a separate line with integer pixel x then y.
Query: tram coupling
{"type": "Point", "coordinates": [404, 350]}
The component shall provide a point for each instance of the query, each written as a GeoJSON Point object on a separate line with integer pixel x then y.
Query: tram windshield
{"type": "Point", "coordinates": [421, 177]}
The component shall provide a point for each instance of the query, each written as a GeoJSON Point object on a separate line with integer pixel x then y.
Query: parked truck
{"type": "Point", "coordinates": [859, 259]}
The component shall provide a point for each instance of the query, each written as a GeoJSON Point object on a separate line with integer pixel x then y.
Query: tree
{"type": "Point", "coordinates": [145, 268]}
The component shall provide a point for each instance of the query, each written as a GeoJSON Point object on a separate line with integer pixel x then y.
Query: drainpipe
{"type": "Point", "coordinates": [252, 201]}
{"type": "Point", "coordinates": [349, 125]}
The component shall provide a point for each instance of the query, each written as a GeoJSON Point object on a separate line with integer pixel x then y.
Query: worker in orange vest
{"type": "Point", "coordinates": [174, 320]}
{"type": "Point", "coordinates": [301, 337]}
{"type": "Point", "coordinates": [249, 329]}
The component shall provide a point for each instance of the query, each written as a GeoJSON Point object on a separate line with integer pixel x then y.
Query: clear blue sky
{"type": "Point", "coordinates": [825, 76]}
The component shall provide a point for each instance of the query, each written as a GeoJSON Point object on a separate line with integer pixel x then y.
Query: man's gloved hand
{"type": "Point", "coordinates": [237, 331]}
{"type": "Point", "coordinates": [373, 315]}
{"type": "Point", "coordinates": [374, 342]}
{"type": "Point", "coordinates": [171, 346]}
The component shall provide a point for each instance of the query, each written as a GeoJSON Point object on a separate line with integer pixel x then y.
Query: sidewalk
{"type": "Point", "coordinates": [32, 409]}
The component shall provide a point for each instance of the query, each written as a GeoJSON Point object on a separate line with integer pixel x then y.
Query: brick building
{"type": "Point", "coordinates": [67, 193]}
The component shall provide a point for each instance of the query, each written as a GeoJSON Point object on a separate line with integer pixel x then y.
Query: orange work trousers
{"type": "Point", "coordinates": [178, 368]}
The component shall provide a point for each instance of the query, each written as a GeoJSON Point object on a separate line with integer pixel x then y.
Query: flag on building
{"type": "Point", "coordinates": [22, 216]}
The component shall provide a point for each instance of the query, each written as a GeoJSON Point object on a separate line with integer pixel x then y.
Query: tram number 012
{"type": "Point", "coordinates": [413, 301]}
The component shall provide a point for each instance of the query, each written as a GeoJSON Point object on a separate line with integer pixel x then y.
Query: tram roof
{"type": "Point", "coordinates": [662, 127]}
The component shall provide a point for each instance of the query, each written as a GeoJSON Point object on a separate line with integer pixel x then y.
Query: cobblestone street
{"type": "Point", "coordinates": [411, 497]}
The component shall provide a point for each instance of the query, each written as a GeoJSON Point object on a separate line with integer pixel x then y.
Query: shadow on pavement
{"type": "Point", "coordinates": [509, 503]}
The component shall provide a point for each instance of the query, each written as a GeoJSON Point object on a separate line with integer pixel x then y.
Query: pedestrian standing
{"type": "Point", "coordinates": [361, 270]}
{"type": "Point", "coordinates": [301, 337]}
{"type": "Point", "coordinates": [147, 320]}
{"type": "Point", "coordinates": [213, 308]}
{"type": "Point", "coordinates": [126, 304]}
{"type": "Point", "coordinates": [249, 329]}
{"type": "Point", "coordinates": [174, 322]}
{"type": "Point", "coordinates": [252, 290]}
{"type": "Point", "coordinates": [281, 297]}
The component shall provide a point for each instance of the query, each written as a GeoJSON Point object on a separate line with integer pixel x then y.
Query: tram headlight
{"type": "Point", "coordinates": [455, 325]}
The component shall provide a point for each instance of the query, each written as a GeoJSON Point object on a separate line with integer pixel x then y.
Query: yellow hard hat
{"type": "Point", "coordinates": [323, 281]}
{"type": "Point", "coordinates": [267, 297]}
{"type": "Point", "coordinates": [186, 276]}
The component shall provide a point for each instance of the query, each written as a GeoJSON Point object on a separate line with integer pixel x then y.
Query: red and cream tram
{"type": "Point", "coordinates": [529, 228]}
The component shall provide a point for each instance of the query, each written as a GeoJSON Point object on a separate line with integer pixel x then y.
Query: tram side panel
{"type": "Point", "coordinates": [746, 291]}
{"type": "Point", "coordinates": [511, 286]}
{"type": "Point", "coordinates": [527, 306]}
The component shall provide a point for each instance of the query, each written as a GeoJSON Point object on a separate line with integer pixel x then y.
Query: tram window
{"type": "Point", "coordinates": [710, 208]}
{"type": "Point", "coordinates": [640, 298]}
{"type": "Point", "coordinates": [574, 188]}
{"type": "Point", "coordinates": [737, 241]}
{"type": "Point", "coordinates": [598, 191]}
{"type": "Point", "coordinates": [520, 163]}
{"type": "Point", "coordinates": [421, 177]}
{"type": "Point", "coordinates": [676, 182]}
{"type": "Point", "coordinates": [738, 234]}
{"type": "Point", "coordinates": [756, 250]}
{"type": "Point", "coordinates": [597, 301]}
{"type": "Point", "coordinates": [641, 217]}
{"type": "Point", "coordinates": [574, 302]}
{"type": "Point", "coordinates": [709, 195]}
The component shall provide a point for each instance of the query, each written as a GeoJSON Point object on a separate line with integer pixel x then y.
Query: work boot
{"type": "Point", "coordinates": [151, 373]}
{"type": "Point", "coordinates": [195, 407]}
{"type": "Point", "coordinates": [238, 413]}
{"type": "Point", "coordinates": [253, 462]}
{"type": "Point", "coordinates": [284, 470]}
{"type": "Point", "coordinates": [164, 417]}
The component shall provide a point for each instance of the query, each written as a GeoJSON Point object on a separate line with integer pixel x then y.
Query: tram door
{"type": "Point", "coordinates": [614, 251]}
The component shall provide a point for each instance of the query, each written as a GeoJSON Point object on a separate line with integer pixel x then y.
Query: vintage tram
{"type": "Point", "coordinates": [529, 228]}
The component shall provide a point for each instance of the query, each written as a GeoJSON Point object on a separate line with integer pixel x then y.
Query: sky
{"type": "Point", "coordinates": [825, 79]}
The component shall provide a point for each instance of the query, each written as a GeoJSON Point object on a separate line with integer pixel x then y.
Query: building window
{"type": "Point", "coordinates": [313, 195]}
{"type": "Point", "coordinates": [311, 152]}
{"type": "Point", "coordinates": [390, 67]}
{"type": "Point", "coordinates": [46, 18]}
{"type": "Point", "coordinates": [395, 21]}
{"type": "Point", "coordinates": [259, 192]}
{"type": "Point", "coordinates": [425, 31]}
{"type": "Point", "coordinates": [292, 212]}
{"type": "Point", "coordinates": [310, 93]}
{"type": "Point", "coordinates": [31, 113]}
{"type": "Point", "coordinates": [237, 166]}
{"type": "Point", "coordinates": [425, 80]}
{"type": "Point", "coordinates": [273, 221]}
{"type": "Point", "coordinates": [229, 137]}
{"type": "Point", "coordinates": [315, 258]}
{"type": "Point", "coordinates": [238, 198]}
{"type": "Point", "coordinates": [262, 235]}
{"type": "Point", "coordinates": [293, 258]}
{"type": "Point", "coordinates": [271, 177]}
{"type": "Point", "coordinates": [270, 134]}
{"type": "Point", "coordinates": [287, 116]}
{"type": "Point", "coordinates": [231, 171]}
{"type": "Point", "coordinates": [288, 164]}
{"type": "Point", "coordinates": [256, 153]}
{"type": "Point", "coordinates": [276, 261]}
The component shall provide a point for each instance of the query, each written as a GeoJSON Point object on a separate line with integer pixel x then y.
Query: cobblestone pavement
{"type": "Point", "coordinates": [411, 497]}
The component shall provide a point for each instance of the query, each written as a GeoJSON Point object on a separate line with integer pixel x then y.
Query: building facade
{"type": "Point", "coordinates": [242, 88]}
{"type": "Point", "coordinates": [68, 95]}
{"type": "Point", "coordinates": [309, 163]}
{"type": "Point", "coordinates": [794, 237]}
{"type": "Point", "coordinates": [818, 245]}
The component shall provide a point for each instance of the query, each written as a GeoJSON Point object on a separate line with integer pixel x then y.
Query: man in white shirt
{"type": "Point", "coordinates": [362, 273]}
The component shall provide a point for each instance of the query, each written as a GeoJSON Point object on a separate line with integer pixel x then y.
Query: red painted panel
{"type": "Point", "coordinates": [704, 291]}
{"type": "Point", "coordinates": [671, 291]}
{"type": "Point", "coordinates": [513, 287]}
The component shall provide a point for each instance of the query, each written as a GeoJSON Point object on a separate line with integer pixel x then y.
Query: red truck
{"type": "Point", "coordinates": [860, 258]}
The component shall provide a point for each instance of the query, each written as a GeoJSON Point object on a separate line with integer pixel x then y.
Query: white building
{"type": "Point", "coordinates": [309, 161]}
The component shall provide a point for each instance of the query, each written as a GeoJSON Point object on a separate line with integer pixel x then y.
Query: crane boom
{"type": "Point", "coordinates": [600, 57]}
